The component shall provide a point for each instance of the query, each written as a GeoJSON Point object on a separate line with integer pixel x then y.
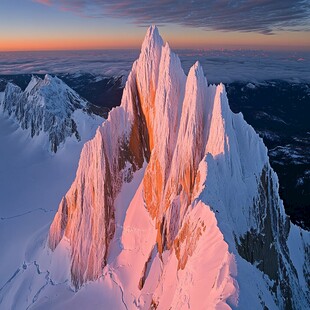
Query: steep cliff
{"type": "Point", "coordinates": [175, 199]}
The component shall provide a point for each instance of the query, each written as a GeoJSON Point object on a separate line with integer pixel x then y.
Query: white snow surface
{"type": "Point", "coordinates": [172, 229]}
{"type": "Point", "coordinates": [32, 182]}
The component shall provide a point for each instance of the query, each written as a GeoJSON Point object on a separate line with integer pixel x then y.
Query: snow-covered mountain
{"type": "Point", "coordinates": [174, 206]}
{"type": "Point", "coordinates": [47, 108]}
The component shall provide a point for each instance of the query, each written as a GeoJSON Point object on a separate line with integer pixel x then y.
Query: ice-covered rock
{"type": "Point", "coordinates": [46, 107]}
{"type": "Point", "coordinates": [175, 200]}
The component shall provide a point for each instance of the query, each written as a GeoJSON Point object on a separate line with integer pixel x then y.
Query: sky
{"type": "Point", "coordinates": [31, 25]}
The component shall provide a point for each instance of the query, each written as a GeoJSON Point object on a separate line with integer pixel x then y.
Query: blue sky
{"type": "Point", "coordinates": [81, 24]}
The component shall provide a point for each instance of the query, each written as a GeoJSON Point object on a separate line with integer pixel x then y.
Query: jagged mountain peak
{"type": "Point", "coordinates": [52, 92]}
{"type": "Point", "coordinates": [47, 107]}
{"type": "Point", "coordinates": [196, 67]}
{"type": "Point", "coordinates": [11, 89]}
{"type": "Point", "coordinates": [152, 40]}
{"type": "Point", "coordinates": [175, 202]}
{"type": "Point", "coordinates": [33, 82]}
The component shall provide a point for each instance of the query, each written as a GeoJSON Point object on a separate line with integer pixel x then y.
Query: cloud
{"type": "Point", "coordinates": [46, 2]}
{"type": "Point", "coordinates": [263, 16]}
{"type": "Point", "coordinates": [219, 66]}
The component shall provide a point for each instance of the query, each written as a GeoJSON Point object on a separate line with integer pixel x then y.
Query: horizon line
{"type": "Point", "coordinates": [265, 49]}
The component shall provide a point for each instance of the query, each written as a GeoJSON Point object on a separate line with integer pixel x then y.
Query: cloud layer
{"type": "Point", "coordinates": [219, 66]}
{"type": "Point", "coordinates": [263, 16]}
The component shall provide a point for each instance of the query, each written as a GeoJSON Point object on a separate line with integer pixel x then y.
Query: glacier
{"type": "Point", "coordinates": [174, 206]}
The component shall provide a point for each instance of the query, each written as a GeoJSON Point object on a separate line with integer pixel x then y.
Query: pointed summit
{"type": "Point", "coordinates": [147, 72]}
{"type": "Point", "coordinates": [176, 184]}
{"type": "Point", "coordinates": [152, 39]}
{"type": "Point", "coordinates": [195, 69]}
{"type": "Point", "coordinates": [33, 82]}
{"type": "Point", "coordinates": [196, 73]}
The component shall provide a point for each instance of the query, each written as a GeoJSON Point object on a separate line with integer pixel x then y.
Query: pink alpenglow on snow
{"type": "Point", "coordinates": [175, 205]}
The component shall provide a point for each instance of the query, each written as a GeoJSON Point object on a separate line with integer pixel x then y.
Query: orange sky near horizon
{"type": "Point", "coordinates": [192, 39]}
{"type": "Point", "coordinates": [33, 44]}
{"type": "Point", "coordinates": [31, 26]}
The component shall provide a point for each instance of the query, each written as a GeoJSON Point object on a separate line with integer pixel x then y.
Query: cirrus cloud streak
{"type": "Point", "coordinates": [262, 16]}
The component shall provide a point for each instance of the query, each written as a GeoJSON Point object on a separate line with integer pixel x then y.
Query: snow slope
{"type": "Point", "coordinates": [174, 206]}
{"type": "Point", "coordinates": [32, 182]}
